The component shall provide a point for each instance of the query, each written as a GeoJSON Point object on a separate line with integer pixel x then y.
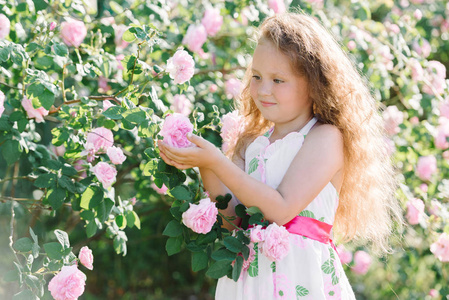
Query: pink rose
{"type": "Point", "coordinates": [105, 174]}
{"type": "Point", "coordinates": [73, 32]}
{"type": "Point", "coordinates": [433, 293]}
{"type": "Point", "coordinates": [427, 165]}
{"type": "Point", "coordinates": [79, 165]}
{"type": "Point", "coordinates": [100, 138]}
{"type": "Point", "coordinates": [415, 211]}
{"type": "Point", "coordinates": [195, 37]}
{"type": "Point", "coordinates": [162, 191]}
{"type": "Point", "coordinates": [417, 14]}
{"type": "Point", "coordinates": [86, 258]}
{"type": "Point", "coordinates": [116, 155]}
{"type": "Point", "coordinates": [133, 200]}
{"type": "Point", "coordinates": [257, 234]}
{"type": "Point", "coordinates": [212, 21]}
{"type": "Point", "coordinates": [37, 113]}
{"type": "Point", "coordinates": [437, 78]}
{"type": "Point", "coordinates": [276, 244]}
{"type": "Point", "coordinates": [182, 105]}
{"type": "Point", "coordinates": [392, 118]}
{"type": "Point", "coordinates": [200, 217]}
{"type": "Point", "coordinates": [446, 155]}
{"type": "Point", "coordinates": [68, 284]}
{"type": "Point", "coordinates": [417, 70]}
{"type": "Point", "coordinates": [175, 130]}
{"type": "Point", "coordinates": [441, 138]}
{"type": "Point", "coordinates": [230, 129]}
{"type": "Point", "coordinates": [444, 108]}
{"type": "Point", "coordinates": [2, 103]}
{"type": "Point", "coordinates": [424, 187]}
{"type": "Point", "coordinates": [52, 26]}
{"type": "Point", "coordinates": [435, 208]}
{"type": "Point", "coordinates": [213, 88]}
{"type": "Point", "coordinates": [362, 262]}
{"type": "Point", "coordinates": [422, 48]}
{"type": "Point", "coordinates": [414, 120]}
{"type": "Point", "coordinates": [103, 84]}
{"type": "Point", "coordinates": [351, 45]}
{"type": "Point", "coordinates": [233, 88]}
{"type": "Point", "coordinates": [278, 6]}
{"type": "Point", "coordinates": [181, 67]}
{"type": "Point", "coordinates": [58, 151]}
{"type": "Point", "coordinates": [344, 255]}
{"type": "Point", "coordinates": [441, 248]}
{"type": "Point", "coordinates": [107, 104]}
{"type": "Point", "coordinates": [119, 59]}
{"type": "Point", "coordinates": [119, 31]}
{"type": "Point", "coordinates": [5, 26]}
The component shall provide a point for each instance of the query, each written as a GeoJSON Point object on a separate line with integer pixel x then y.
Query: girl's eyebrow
{"type": "Point", "coordinates": [276, 73]}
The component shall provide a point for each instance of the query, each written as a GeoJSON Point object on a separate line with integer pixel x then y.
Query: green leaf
{"type": "Point", "coordinates": [150, 167]}
{"type": "Point", "coordinates": [11, 151]}
{"type": "Point", "coordinates": [237, 269]}
{"type": "Point", "coordinates": [253, 164]}
{"type": "Point", "coordinates": [67, 183]}
{"type": "Point", "coordinates": [207, 238]}
{"type": "Point", "coordinates": [45, 181]}
{"type": "Point", "coordinates": [62, 238]}
{"type": "Point", "coordinates": [135, 115]}
{"type": "Point", "coordinates": [104, 209]}
{"type": "Point", "coordinates": [40, 5]}
{"type": "Point", "coordinates": [69, 170]}
{"type": "Point", "coordinates": [219, 269]}
{"type": "Point", "coordinates": [120, 220]}
{"type": "Point", "coordinates": [181, 192]}
{"type": "Point", "coordinates": [92, 197]}
{"type": "Point", "coordinates": [128, 36]}
{"type": "Point", "coordinates": [224, 254]}
{"type": "Point", "coordinates": [56, 197]}
{"type": "Point", "coordinates": [91, 229]}
{"type": "Point", "coordinates": [192, 246]}
{"type": "Point", "coordinates": [114, 112]}
{"type": "Point", "coordinates": [199, 261]}
{"type": "Point", "coordinates": [25, 295]}
{"type": "Point", "coordinates": [54, 250]}
{"type": "Point", "coordinates": [173, 245]}
{"type": "Point", "coordinates": [60, 49]}
{"type": "Point", "coordinates": [173, 229]}
{"type": "Point", "coordinates": [253, 210]}
{"type": "Point", "coordinates": [307, 213]}
{"type": "Point", "coordinates": [301, 291]}
{"type": "Point", "coordinates": [253, 269]}
{"type": "Point", "coordinates": [233, 244]}
{"type": "Point", "coordinates": [23, 244]}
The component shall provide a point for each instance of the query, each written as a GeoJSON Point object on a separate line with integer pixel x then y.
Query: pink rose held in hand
{"type": "Point", "coordinates": [175, 130]}
{"type": "Point", "coordinates": [73, 32]}
{"type": "Point", "coordinates": [86, 257]}
{"type": "Point", "coordinates": [201, 217]}
{"type": "Point", "coordinates": [68, 284]}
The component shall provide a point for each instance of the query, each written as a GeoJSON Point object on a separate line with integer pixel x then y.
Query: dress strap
{"type": "Point", "coordinates": [305, 130]}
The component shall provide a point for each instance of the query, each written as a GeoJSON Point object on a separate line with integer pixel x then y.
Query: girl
{"type": "Point", "coordinates": [322, 163]}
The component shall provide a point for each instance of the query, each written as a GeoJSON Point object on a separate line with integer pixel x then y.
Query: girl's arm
{"type": "Point", "coordinates": [319, 159]}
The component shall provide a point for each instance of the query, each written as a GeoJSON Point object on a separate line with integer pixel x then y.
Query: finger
{"type": "Point", "coordinates": [197, 140]}
{"type": "Point", "coordinates": [166, 159]}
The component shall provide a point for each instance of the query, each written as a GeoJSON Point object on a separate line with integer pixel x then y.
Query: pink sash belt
{"type": "Point", "coordinates": [312, 229]}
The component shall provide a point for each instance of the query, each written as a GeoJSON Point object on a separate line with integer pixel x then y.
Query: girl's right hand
{"type": "Point", "coordinates": [171, 162]}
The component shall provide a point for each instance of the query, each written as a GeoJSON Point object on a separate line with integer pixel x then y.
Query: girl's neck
{"type": "Point", "coordinates": [281, 130]}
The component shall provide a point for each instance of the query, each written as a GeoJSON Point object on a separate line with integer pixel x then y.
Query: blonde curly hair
{"type": "Point", "coordinates": [368, 209]}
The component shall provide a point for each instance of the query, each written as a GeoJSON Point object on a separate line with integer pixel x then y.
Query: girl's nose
{"type": "Point", "coordinates": [264, 89]}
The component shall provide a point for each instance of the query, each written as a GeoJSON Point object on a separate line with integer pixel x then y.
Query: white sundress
{"type": "Point", "coordinates": [311, 269]}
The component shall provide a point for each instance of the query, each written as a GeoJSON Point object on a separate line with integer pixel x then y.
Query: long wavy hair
{"type": "Point", "coordinates": [367, 209]}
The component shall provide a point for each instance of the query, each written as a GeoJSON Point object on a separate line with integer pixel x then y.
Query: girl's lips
{"type": "Point", "coordinates": [267, 104]}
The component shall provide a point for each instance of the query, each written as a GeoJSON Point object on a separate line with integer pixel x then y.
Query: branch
{"type": "Point", "coordinates": [11, 224]}
{"type": "Point", "coordinates": [99, 98]}
{"type": "Point", "coordinates": [10, 86]}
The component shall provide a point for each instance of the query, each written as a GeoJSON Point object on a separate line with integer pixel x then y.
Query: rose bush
{"type": "Point", "coordinates": [119, 67]}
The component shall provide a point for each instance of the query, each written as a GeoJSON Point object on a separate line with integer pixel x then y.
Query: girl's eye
{"type": "Point", "coordinates": [256, 77]}
{"type": "Point", "coordinates": [278, 81]}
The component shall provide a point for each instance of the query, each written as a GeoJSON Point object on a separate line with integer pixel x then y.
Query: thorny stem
{"type": "Point", "coordinates": [99, 98]}
{"type": "Point", "coordinates": [229, 221]}
{"type": "Point", "coordinates": [11, 224]}
{"type": "Point", "coordinates": [10, 86]}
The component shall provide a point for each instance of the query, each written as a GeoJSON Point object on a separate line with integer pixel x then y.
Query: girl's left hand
{"type": "Point", "coordinates": [202, 154]}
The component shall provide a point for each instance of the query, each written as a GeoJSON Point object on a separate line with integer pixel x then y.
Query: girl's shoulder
{"type": "Point", "coordinates": [325, 132]}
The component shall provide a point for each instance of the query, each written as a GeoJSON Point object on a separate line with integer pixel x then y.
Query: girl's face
{"type": "Point", "coordinates": [281, 95]}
